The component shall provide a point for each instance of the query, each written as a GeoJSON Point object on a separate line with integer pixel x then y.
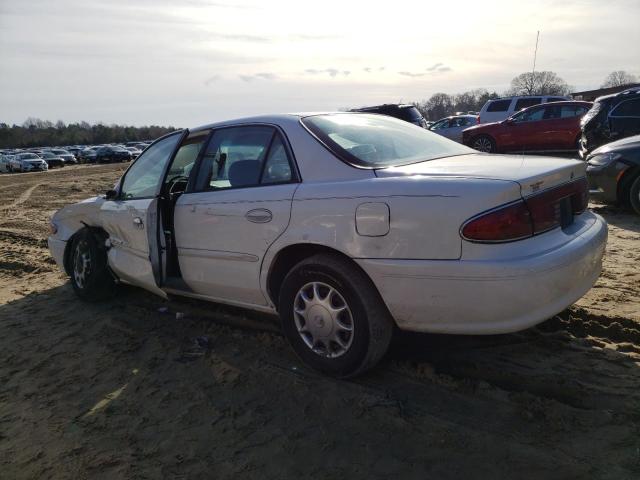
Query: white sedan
{"type": "Point", "coordinates": [346, 225]}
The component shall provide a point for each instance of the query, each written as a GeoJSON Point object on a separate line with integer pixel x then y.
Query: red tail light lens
{"type": "Point", "coordinates": [537, 214]}
{"type": "Point", "coordinates": [505, 224]}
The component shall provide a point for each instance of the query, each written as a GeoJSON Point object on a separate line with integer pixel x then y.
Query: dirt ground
{"type": "Point", "coordinates": [106, 390]}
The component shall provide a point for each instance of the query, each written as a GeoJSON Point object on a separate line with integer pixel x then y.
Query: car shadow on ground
{"type": "Point", "coordinates": [619, 216]}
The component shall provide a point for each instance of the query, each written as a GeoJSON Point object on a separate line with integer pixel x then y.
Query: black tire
{"type": "Point", "coordinates": [90, 277]}
{"type": "Point", "coordinates": [634, 195]}
{"type": "Point", "coordinates": [372, 325]}
{"type": "Point", "coordinates": [483, 143]}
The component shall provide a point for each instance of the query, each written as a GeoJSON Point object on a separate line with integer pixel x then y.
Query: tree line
{"type": "Point", "coordinates": [35, 132]}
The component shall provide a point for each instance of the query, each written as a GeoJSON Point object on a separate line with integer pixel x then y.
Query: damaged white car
{"type": "Point", "coordinates": [344, 224]}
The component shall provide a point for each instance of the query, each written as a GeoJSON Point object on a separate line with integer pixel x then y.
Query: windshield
{"type": "Point", "coordinates": [28, 156]}
{"type": "Point", "coordinates": [377, 141]}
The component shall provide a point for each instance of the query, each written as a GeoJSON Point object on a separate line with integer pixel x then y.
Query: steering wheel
{"type": "Point", "coordinates": [176, 180]}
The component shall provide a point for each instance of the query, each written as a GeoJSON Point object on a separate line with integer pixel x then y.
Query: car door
{"type": "Point", "coordinates": [440, 127]}
{"type": "Point", "coordinates": [131, 218]}
{"type": "Point", "coordinates": [239, 205]}
{"type": "Point", "coordinates": [567, 131]}
{"type": "Point", "coordinates": [520, 135]}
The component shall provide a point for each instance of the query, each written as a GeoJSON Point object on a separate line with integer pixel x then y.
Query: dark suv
{"type": "Point", "coordinates": [612, 117]}
{"type": "Point", "coordinates": [408, 113]}
{"type": "Point", "coordinates": [112, 154]}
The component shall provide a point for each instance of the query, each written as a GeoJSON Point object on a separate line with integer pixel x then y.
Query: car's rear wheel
{"type": "Point", "coordinates": [484, 143]}
{"type": "Point", "coordinates": [333, 316]}
{"type": "Point", "coordinates": [90, 276]}
{"type": "Point", "coordinates": [634, 195]}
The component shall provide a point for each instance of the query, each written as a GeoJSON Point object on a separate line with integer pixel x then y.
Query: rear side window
{"type": "Point", "coordinates": [499, 106]}
{"type": "Point", "coordinates": [567, 111]}
{"type": "Point", "coordinates": [556, 99]}
{"type": "Point", "coordinates": [628, 108]}
{"type": "Point", "coordinates": [411, 114]}
{"type": "Point", "coordinates": [526, 102]}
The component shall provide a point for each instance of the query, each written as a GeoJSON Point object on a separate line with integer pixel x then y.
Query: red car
{"type": "Point", "coordinates": [551, 126]}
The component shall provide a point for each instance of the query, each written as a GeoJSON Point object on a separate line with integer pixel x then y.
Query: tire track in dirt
{"type": "Point", "coordinates": [22, 198]}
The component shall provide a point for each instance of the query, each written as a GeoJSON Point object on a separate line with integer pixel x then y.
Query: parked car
{"type": "Point", "coordinates": [88, 155]}
{"type": "Point", "coordinates": [408, 113]}
{"type": "Point", "coordinates": [613, 171]}
{"type": "Point", "coordinates": [611, 117]}
{"type": "Point", "coordinates": [4, 163]}
{"type": "Point", "coordinates": [452, 127]}
{"type": "Point", "coordinates": [27, 162]}
{"type": "Point", "coordinates": [52, 159]}
{"type": "Point", "coordinates": [551, 127]}
{"type": "Point", "coordinates": [502, 108]}
{"type": "Point", "coordinates": [69, 158]}
{"type": "Point", "coordinates": [346, 225]}
{"type": "Point", "coordinates": [112, 154]}
{"type": "Point", "coordinates": [134, 151]}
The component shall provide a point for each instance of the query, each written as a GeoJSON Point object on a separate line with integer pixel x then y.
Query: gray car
{"type": "Point", "coordinates": [614, 172]}
{"type": "Point", "coordinates": [452, 127]}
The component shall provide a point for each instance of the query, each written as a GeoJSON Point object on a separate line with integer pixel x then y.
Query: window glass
{"type": "Point", "coordinates": [376, 141]}
{"type": "Point", "coordinates": [499, 106]}
{"type": "Point", "coordinates": [629, 108]}
{"type": "Point", "coordinates": [556, 99]}
{"type": "Point", "coordinates": [532, 115]}
{"type": "Point", "coordinates": [277, 168]}
{"type": "Point", "coordinates": [526, 102]}
{"type": "Point", "coordinates": [143, 178]}
{"type": "Point", "coordinates": [186, 156]}
{"type": "Point", "coordinates": [234, 158]}
{"type": "Point", "coordinates": [567, 111]}
{"type": "Point", "coordinates": [441, 124]}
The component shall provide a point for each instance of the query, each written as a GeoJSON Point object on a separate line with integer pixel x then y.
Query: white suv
{"type": "Point", "coordinates": [502, 108]}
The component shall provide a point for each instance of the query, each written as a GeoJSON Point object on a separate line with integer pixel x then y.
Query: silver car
{"type": "Point", "coordinates": [452, 127]}
{"type": "Point", "coordinates": [27, 162]}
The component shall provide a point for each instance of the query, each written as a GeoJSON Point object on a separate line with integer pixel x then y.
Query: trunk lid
{"type": "Point", "coordinates": [533, 173]}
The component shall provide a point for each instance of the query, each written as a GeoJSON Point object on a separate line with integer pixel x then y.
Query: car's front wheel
{"type": "Point", "coordinates": [484, 143]}
{"type": "Point", "coordinates": [333, 316]}
{"type": "Point", "coordinates": [90, 276]}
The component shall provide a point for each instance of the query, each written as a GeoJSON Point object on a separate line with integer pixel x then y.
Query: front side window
{"type": "Point", "coordinates": [238, 157]}
{"type": "Point", "coordinates": [142, 180]}
{"type": "Point", "coordinates": [374, 141]}
{"type": "Point", "coordinates": [532, 115]}
{"type": "Point", "coordinates": [186, 157]}
{"type": "Point", "coordinates": [440, 125]}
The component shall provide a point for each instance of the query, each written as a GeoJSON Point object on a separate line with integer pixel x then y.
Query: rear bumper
{"type": "Point", "coordinates": [490, 296]}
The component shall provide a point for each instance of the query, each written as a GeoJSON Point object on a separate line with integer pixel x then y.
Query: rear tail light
{"type": "Point", "coordinates": [533, 215]}
{"type": "Point", "coordinates": [504, 224]}
{"type": "Point", "coordinates": [478, 119]}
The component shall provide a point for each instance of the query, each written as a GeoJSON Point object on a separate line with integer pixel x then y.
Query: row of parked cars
{"type": "Point", "coordinates": [604, 133]}
{"type": "Point", "coordinates": [42, 159]}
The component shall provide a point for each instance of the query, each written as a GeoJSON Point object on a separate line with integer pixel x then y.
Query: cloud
{"type": "Point", "coordinates": [258, 76]}
{"type": "Point", "coordinates": [367, 69]}
{"type": "Point", "coordinates": [240, 37]}
{"type": "Point", "coordinates": [434, 66]}
{"type": "Point", "coordinates": [211, 80]}
{"type": "Point", "coordinates": [444, 69]}
{"type": "Point", "coordinates": [412, 74]}
{"type": "Point", "coordinates": [333, 72]}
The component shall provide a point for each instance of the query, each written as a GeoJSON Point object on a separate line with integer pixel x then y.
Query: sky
{"type": "Point", "coordinates": [191, 62]}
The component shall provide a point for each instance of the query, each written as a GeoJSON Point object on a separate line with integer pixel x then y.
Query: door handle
{"type": "Point", "coordinates": [137, 221]}
{"type": "Point", "coordinates": [259, 215]}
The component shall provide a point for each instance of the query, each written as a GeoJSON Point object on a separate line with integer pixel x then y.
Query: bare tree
{"type": "Point", "coordinates": [538, 83]}
{"type": "Point", "coordinates": [619, 78]}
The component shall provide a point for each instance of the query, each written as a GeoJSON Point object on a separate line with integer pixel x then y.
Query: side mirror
{"type": "Point", "coordinates": [111, 195]}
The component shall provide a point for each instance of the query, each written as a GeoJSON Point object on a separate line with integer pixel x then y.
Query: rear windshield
{"type": "Point", "coordinates": [374, 141]}
{"type": "Point", "coordinates": [410, 113]}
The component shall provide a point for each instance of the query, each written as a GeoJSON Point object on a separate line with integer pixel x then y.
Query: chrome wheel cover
{"type": "Point", "coordinates": [482, 144]}
{"type": "Point", "coordinates": [81, 263]}
{"type": "Point", "coordinates": [323, 319]}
